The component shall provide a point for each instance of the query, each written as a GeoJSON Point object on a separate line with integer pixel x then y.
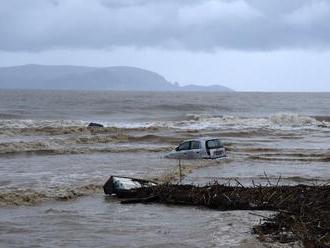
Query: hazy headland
{"type": "Point", "coordinates": [118, 78]}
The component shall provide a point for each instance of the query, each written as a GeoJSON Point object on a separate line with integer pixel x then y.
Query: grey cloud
{"type": "Point", "coordinates": [35, 25]}
{"type": "Point", "coordinates": [276, 7]}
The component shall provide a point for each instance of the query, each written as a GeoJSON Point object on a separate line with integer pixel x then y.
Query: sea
{"type": "Point", "coordinates": [52, 167]}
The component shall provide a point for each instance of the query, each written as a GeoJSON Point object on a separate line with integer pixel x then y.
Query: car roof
{"type": "Point", "coordinates": [201, 139]}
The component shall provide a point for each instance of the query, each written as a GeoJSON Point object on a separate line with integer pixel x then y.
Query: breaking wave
{"type": "Point", "coordinates": [26, 124]}
{"type": "Point", "coordinates": [81, 141]}
{"type": "Point", "coordinates": [73, 137]}
{"type": "Point", "coordinates": [48, 148]}
{"type": "Point", "coordinates": [65, 130]}
{"type": "Point", "coordinates": [290, 157]}
{"type": "Point", "coordinates": [276, 121]}
{"type": "Point", "coordinates": [20, 197]}
{"type": "Point", "coordinates": [198, 122]}
{"type": "Point", "coordinates": [294, 120]}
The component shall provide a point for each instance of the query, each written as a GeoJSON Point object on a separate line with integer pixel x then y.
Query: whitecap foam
{"type": "Point", "coordinates": [192, 122]}
{"type": "Point", "coordinates": [293, 120]}
{"type": "Point", "coordinates": [20, 124]}
{"type": "Point", "coordinates": [59, 147]}
{"type": "Point", "coordinates": [276, 121]}
{"type": "Point", "coordinates": [23, 197]}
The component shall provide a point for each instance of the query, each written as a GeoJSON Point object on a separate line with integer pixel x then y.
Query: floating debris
{"type": "Point", "coordinates": [303, 212]}
{"type": "Point", "coordinates": [125, 186]}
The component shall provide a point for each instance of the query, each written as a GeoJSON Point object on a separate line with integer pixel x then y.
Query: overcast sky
{"type": "Point", "coordinates": [267, 45]}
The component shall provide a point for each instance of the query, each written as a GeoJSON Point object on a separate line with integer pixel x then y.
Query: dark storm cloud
{"type": "Point", "coordinates": [204, 25]}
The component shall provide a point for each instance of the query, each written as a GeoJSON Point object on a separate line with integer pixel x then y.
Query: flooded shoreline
{"type": "Point", "coordinates": [102, 222]}
{"type": "Point", "coordinates": [53, 167]}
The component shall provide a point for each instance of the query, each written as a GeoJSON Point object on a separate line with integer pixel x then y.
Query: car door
{"type": "Point", "coordinates": [182, 150]}
{"type": "Point", "coordinates": [196, 150]}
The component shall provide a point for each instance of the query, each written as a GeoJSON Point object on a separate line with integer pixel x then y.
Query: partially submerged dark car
{"type": "Point", "coordinates": [201, 148]}
{"type": "Point", "coordinates": [125, 186]}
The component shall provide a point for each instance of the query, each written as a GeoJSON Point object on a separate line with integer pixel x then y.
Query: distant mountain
{"type": "Point", "coordinates": [90, 78]}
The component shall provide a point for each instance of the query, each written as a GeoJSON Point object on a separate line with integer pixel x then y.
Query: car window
{"type": "Point", "coordinates": [184, 146]}
{"type": "Point", "coordinates": [195, 145]}
{"type": "Point", "coordinates": [211, 144]}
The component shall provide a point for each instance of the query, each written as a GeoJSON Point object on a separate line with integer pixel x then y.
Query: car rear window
{"type": "Point", "coordinates": [215, 143]}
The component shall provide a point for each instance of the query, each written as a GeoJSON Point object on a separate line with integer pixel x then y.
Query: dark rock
{"type": "Point", "coordinates": [93, 124]}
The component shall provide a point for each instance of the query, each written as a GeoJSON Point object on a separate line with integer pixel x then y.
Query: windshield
{"type": "Point", "coordinates": [211, 144]}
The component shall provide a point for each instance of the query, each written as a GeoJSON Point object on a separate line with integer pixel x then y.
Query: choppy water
{"type": "Point", "coordinates": [47, 155]}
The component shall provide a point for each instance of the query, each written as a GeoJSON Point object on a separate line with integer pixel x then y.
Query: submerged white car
{"type": "Point", "coordinates": [201, 148]}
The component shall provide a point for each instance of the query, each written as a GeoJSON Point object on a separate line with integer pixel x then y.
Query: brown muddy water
{"type": "Point", "coordinates": [52, 167]}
